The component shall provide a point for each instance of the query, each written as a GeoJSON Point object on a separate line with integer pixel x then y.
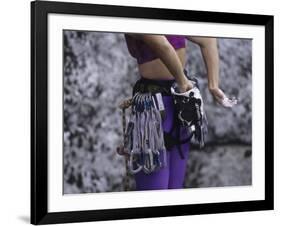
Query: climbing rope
{"type": "Point", "coordinates": [121, 149]}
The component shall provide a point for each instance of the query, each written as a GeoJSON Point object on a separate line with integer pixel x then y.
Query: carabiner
{"type": "Point", "coordinates": [148, 166]}
{"type": "Point", "coordinates": [130, 163]}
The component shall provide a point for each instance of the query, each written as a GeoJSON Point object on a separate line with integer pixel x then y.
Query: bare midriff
{"type": "Point", "coordinates": [156, 69]}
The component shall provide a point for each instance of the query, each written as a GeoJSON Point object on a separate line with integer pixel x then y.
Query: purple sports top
{"type": "Point", "coordinates": [139, 50]}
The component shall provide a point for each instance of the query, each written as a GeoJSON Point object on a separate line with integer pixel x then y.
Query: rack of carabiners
{"type": "Point", "coordinates": [144, 139]}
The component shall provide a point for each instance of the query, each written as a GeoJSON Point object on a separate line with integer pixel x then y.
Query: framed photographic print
{"type": "Point", "coordinates": [145, 112]}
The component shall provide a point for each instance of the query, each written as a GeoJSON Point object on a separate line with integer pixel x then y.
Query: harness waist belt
{"type": "Point", "coordinates": [145, 85]}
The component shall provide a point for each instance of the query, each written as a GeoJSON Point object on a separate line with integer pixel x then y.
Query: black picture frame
{"type": "Point", "coordinates": [39, 112]}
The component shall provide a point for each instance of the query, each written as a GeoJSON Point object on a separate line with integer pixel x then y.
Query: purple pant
{"type": "Point", "coordinates": [172, 176]}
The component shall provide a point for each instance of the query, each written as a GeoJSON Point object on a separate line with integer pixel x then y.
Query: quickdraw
{"type": "Point", "coordinates": [144, 140]}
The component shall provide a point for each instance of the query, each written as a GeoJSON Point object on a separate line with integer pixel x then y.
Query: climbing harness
{"type": "Point", "coordinates": [145, 143]}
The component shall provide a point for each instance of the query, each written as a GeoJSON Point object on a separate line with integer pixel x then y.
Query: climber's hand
{"type": "Point", "coordinates": [222, 99]}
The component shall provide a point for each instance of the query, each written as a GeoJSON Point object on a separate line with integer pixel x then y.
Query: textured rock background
{"type": "Point", "coordinates": [99, 73]}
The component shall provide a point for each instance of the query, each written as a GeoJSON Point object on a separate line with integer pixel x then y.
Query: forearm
{"type": "Point", "coordinates": [211, 59]}
{"type": "Point", "coordinates": [164, 50]}
{"type": "Point", "coordinates": [168, 56]}
{"type": "Point", "coordinates": [210, 55]}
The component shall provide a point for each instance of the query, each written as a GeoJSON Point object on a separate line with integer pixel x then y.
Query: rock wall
{"type": "Point", "coordinates": [99, 73]}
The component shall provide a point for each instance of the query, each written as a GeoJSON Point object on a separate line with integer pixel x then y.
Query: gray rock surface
{"type": "Point", "coordinates": [99, 73]}
{"type": "Point", "coordinates": [219, 166]}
